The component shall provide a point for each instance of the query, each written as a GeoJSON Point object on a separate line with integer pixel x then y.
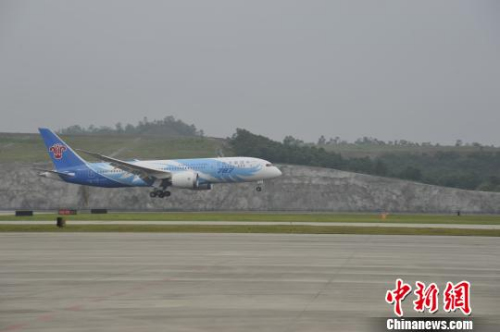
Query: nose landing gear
{"type": "Point", "coordinates": [259, 186]}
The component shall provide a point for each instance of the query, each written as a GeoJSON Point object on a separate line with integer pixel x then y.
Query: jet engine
{"type": "Point", "coordinates": [188, 180]}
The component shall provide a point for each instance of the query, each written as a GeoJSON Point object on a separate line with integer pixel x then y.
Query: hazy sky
{"type": "Point", "coordinates": [417, 70]}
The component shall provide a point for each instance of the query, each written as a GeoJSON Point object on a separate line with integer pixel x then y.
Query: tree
{"type": "Point", "coordinates": [169, 126]}
{"type": "Point", "coordinates": [411, 173]}
{"type": "Point", "coordinates": [380, 168]}
{"type": "Point", "coordinates": [119, 128]}
{"type": "Point", "coordinates": [290, 140]}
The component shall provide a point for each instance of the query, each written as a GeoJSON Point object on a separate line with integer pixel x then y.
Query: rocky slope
{"type": "Point", "coordinates": [299, 189]}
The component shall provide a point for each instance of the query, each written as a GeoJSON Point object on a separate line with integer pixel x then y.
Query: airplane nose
{"type": "Point", "coordinates": [278, 172]}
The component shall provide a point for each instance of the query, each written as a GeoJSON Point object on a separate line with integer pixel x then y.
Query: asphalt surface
{"type": "Point", "coordinates": [249, 223]}
{"type": "Point", "coordinates": [230, 282]}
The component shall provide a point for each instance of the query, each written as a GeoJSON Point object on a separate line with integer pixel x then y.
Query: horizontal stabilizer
{"type": "Point", "coordinates": [44, 171]}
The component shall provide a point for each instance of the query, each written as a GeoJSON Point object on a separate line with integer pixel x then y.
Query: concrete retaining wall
{"type": "Point", "coordinates": [299, 189]}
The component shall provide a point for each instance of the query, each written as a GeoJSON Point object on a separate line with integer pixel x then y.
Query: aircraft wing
{"type": "Point", "coordinates": [143, 172]}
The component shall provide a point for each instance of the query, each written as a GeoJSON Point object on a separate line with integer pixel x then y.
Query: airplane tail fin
{"type": "Point", "coordinates": [62, 154]}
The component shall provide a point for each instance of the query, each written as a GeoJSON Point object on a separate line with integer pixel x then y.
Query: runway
{"type": "Point", "coordinates": [229, 282]}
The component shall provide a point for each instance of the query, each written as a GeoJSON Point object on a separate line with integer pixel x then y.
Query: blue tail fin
{"type": "Point", "coordinates": [61, 154]}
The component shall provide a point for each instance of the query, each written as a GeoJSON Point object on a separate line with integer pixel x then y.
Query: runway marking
{"type": "Point", "coordinates": [325, 286]}
{"type": "Point", "coordinates": [76, 307]}
{"type": "Point", "coordinates": [100, 299]}
{"type": "Point", "coordinates": [46, 318]}
{"type": "Point", "coordinates": [16, 327]}
{"type": "Point", "coordinates": [79, 306]}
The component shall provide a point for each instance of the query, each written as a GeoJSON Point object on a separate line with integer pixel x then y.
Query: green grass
{"type": "Point", "coordinates": [30, 148]}
{"type": "Point", "coordinates": [283, 217]}
{"type": "Point", "coordinates": [250, 229]}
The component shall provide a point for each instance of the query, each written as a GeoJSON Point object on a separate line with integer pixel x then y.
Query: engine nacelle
{"type": "Point", "coordinates": [188, 180]}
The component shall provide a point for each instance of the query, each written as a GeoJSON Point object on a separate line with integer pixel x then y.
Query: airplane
{"type": "Point", "coordinates": [194, 174]}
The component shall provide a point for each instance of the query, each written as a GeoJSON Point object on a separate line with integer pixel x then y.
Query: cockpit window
{"type": "Point", "coordinates": [269, 165]}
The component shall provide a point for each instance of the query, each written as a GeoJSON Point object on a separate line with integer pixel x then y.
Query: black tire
{"type": "Point", "coordinates": [153, 194]}
{"type": "Point", "coordinates": [167, 193]}
{"type": "Point", "coordinates": [161, 194]}
{"type": "Point", "coordinates": [259, 189]}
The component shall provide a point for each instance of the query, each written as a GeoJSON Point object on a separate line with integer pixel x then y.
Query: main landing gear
{"type": "Point", "coordinates": [160, 193]}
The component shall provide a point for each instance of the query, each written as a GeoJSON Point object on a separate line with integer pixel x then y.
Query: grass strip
{"type": "Point", "coordinates": [277, 217]}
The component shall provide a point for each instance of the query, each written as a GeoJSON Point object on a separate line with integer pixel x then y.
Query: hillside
{"type": "Point", "coordinates": [465, 167]}
{"type": "Point", "coordinates": [353, 150]}
{"type": "Point", "coordinates": [30, 148]}
{"type": "Point", "coordinates": [458, 167]}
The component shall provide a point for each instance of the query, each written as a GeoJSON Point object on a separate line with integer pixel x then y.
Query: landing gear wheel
{"type": "Point", "coordinates": [153, 194]}
{"type": "Point", "coordinates": [167, 193]}
{"type": "Point", "coordinates": [259, 188]}
{"type": "Point", "coordinates": [161, 194]}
